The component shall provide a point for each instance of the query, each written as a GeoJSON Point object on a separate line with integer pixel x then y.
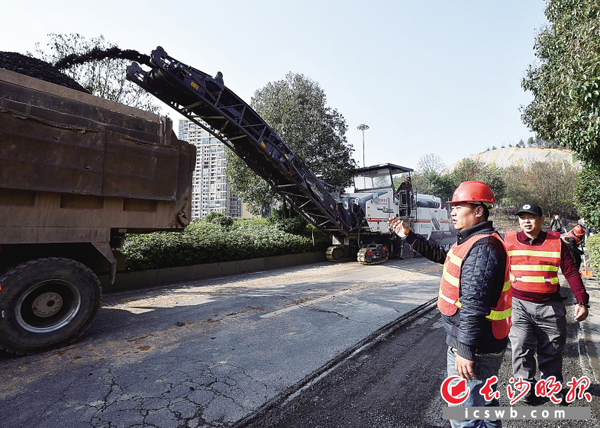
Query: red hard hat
{"type": "Point", "coordinates": [579, 230]}
{"type": "Point", "coordinates": [473, 191]}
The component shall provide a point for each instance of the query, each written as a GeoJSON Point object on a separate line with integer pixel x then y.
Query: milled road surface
{"type": "Point", "coordinates": [329, 345]}
{"type": "Point", "coordinates": [396, 383]}
{"type": "Point", "coordinates": [210, 353]}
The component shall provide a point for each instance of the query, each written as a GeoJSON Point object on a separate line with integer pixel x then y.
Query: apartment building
{"type": "Point", "coordinates": [210, 191]}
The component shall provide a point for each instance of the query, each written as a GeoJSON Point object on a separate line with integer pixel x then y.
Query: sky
{"type": "Point", "coordinates": [437, 76]}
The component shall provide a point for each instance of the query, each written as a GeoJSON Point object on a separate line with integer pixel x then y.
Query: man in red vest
{"type": "Point", "coordinates": [574, 238]}
{"type": "Point", "coordinates": [539, 322]}
{"type": "Point", "coordinates": [474, 296]}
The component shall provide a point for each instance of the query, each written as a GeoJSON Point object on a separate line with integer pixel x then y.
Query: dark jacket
{"type": "Point", "coordinates": [481, 282]}
{"type": "Point", "coordinates": [556, 225]}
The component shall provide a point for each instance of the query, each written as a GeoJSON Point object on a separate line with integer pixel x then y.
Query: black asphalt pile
{"type": "Point", "coordinates": [37, 68]}
{"type": "Point", "coordinates": [98, 54]}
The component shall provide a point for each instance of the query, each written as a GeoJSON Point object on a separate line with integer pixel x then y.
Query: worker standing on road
{"type": "Point", "coordinates": [474, 293]}
{"type": "Point", "coordinates": [556, 223]}
{"type": "Point", "coordinates": [574, 238]}
{"type": "Point", "coordinates": [539, 320]}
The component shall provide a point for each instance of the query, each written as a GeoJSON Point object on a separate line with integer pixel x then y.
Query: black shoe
{"type": "Point", "coordinates": [530, 399]}
{"type": "Point", "coordinates": [563, 398]}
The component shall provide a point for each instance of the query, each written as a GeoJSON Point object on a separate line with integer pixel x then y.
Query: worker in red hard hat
{"type": "Point", "coordinates": [574, 238]}
{"type": "Point", "coordinates": [475, 294]}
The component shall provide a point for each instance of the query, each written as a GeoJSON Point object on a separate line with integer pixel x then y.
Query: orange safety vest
{"type": "Point", "coordinates": [534, 268]}
{"type": "Point", "coordinates": [577, 233]}
{"type": "Point", "coordinates": [448, 298]}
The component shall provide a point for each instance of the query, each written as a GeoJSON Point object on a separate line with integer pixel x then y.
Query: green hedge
{"type": "Point", "coordinates": [217, 240]}
{"type": "Point", "coordinates": [592, 245]}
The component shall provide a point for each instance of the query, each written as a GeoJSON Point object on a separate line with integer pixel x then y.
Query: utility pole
{"type": "Point", "coordinates": [362, 127]}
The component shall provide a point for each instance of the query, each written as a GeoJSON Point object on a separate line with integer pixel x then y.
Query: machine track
{"type": "Point", "coordinates": [373, 258]}
{"type": "Point", "coordinates": [341, 253]}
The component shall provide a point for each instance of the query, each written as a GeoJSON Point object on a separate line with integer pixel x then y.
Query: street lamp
{"type": "Point", "coordinates": [362, 127]}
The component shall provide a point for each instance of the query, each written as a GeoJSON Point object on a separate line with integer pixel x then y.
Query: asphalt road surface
{"type": "Point", "coordinates": [396, 383]}
{"type": "Point", "coordinates": [209, 353]}
{"type": "Point", "coordinates": [328, 345]}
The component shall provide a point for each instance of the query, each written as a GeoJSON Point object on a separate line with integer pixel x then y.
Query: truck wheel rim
{"type": "Point", "coordinates": [48, 306]}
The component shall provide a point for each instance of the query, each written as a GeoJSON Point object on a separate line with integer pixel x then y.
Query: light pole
{"type": "Point", "coordinates": [362, 127]}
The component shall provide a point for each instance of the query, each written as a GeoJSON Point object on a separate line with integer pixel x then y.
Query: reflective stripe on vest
{"type": "Point", "coordinates": [448, 296]}
{"type": "Point", "coordinates": [534, 268]}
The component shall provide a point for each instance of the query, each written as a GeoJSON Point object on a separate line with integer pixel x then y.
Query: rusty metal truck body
{"type": "Point", "coordinates": [77, 172]}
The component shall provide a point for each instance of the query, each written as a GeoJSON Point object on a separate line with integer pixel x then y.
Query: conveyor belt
{"type": "Point", "coordinates": [208, 102]}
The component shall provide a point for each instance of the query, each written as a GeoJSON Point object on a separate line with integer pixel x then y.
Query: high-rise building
{"type": "Point", "coordinates": [210, 192]}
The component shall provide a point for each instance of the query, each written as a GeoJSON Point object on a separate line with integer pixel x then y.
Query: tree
{"type": "Point", "coordinates": [430, 163]}
{"type": "Point", "coordinates": [587, 195]}
{"type": "Point", "coordinates": [296, 109]}
{"type": "Point", "coordinates": [550, 184]}
{"type": "Point", "coordinates": [104, 78]}
{"type": "Point", "coordinates": [565, 82]}
{"type": "Point", "coordinates": [441, 185]}
{"type": "Point", "coordinates": [429, 167]}
{"type": "Point", "coordinates": [466, 170]}
{"type": "Point", "coordinates": [470, 169]}
{"type": "Point", "coordinates": [493, 176]}
{"type": "Point", "coordinates": [420, 183]}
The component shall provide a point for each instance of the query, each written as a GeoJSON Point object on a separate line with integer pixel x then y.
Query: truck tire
{"type": "Point", "coordinates": [46, 303]}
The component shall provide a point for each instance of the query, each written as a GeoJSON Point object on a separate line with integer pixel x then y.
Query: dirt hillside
{"type": "Point", "coordinates": [516, 156]}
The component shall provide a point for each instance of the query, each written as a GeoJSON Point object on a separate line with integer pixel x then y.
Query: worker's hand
{"type": "Point", "coordinates": [581, 313]}
{"type": "Point", "coordinates": [464, 368]}
{"type": "Point", "coordinates": [396, 225]}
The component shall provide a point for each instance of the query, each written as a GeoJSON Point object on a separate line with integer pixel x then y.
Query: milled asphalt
{"type": "Point", "coordinates": [209, 353]}
{"type": "Point", "coordinates": [589, 331]}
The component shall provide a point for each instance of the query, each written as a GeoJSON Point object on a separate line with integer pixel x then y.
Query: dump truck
{"type": "Point", "coordinates": [356, 221]}
{"type": "Point", "coordinates": [77, 172]}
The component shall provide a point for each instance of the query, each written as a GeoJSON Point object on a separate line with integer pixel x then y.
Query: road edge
{"type": "Point", "coordinates": [372, 339]}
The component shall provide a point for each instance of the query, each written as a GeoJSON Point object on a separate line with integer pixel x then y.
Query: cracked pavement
{"type": "Point", "coordinates": [209, 353]}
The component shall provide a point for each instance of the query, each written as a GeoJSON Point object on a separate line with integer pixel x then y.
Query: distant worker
{"type": "Point", "coordinates": [574, 238]}
{"type": "Point", "coordinates": [474, 296]}
{"type": "Point", "coordinates": [406, 185]}
{"type": "Point", "coordinates": [405, 188]}
{"type": "Point", "coordinates": [539, 322]}
{"type": "Point", "coordinates": [584, 224]}
{"type": "Point", "coordinates": [556, 224]}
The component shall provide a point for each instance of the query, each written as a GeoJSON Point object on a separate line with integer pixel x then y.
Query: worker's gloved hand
{"type": "Point", "coordinates": [397, 226]}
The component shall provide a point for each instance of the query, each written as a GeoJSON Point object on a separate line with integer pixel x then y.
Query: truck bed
{"type": "Point", "coordinates": [74, 166]}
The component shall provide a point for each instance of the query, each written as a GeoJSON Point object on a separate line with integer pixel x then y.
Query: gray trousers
{"type": "Point", "coordinates": [540, 327]}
